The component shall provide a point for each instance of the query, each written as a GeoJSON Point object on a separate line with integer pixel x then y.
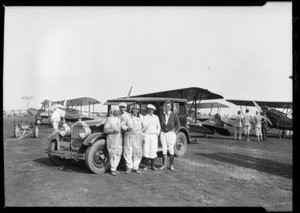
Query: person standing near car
{"type": "Point", "coordinates": [169, 125]}
{"type": "Point", "coordinates": [151, 125]}
{"type": "Point", "coordinates": [238, 126]}
{"type": "Point", "coordinates": [112, 128]}
{"type": "Point", "coordinates": [122, 115]}
{"type": "Point", "coordinates": [247, 120]}
{"type": "Point", "coordinates": [133, 139]}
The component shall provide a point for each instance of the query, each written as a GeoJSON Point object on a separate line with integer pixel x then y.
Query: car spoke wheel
{"type": "Point", "coordinates": [55, 159]}
{"type": "Point", "coordinates": [96, 157]}
{"type": "Point", "coordinates": [180, 145]}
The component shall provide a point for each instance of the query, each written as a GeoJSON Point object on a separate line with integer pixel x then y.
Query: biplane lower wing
{"type": "Point", "coordinates": [197, 130]}
{"type": "Point", "coordinates": [220, 130]}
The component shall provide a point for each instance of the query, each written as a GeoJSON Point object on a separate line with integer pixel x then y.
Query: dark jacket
{"type": "Point", "coordinates": [264, 124]}
{"type": "Point", "coordinates": [173, 122]}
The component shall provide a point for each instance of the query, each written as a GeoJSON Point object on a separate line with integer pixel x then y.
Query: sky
{"type": "Point", "coordinates": [68, 52]}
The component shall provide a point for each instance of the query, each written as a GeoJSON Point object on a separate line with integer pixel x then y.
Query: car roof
{"type": "Point", "coordinates": [132, 100]}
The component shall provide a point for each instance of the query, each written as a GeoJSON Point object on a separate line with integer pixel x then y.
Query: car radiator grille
{"type": "Point", "coordinates": [76, 140]}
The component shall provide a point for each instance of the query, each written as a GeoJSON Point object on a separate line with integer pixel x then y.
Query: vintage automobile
{"type": "Point", "coordinates": [86, 141]}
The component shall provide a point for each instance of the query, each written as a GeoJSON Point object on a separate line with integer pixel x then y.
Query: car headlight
{"type": "Point", "coordinates": [65, 130]}
{"type": "Point", "coordinates": [84, 132]}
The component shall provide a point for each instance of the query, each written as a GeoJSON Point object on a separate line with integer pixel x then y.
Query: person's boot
{"type": "Point", "coordinates": [164, 162]}
{"type": "Point", "coordinates": [147, 162]}
{"type": "Point", "coordinates": [172, 162]}
{"type": "Point", "coordinates": [152, 165]}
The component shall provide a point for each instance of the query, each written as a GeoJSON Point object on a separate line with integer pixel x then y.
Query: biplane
{"type": "Point", "coordinates": [277, 119]}
{"type": "Point", "coordinates": [70, 106]}
{"type": "Point", "coordinates": [213, 122]}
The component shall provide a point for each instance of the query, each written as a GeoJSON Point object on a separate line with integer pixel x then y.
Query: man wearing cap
{"type": "Point", "coordinates": [151, 127]}
{"type": "Point", "coordinates": [169, 125]}
{"type": "Point", "coordinates": [122, 115]}
{"type": "Point", "coordinates": [122, 107]}
{"type": "Point", "coordinates": [112, 128]}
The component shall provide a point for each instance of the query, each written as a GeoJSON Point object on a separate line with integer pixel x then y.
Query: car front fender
{"type": "Point", "coordinates": [93, 138]}
{"type": "Point", "coordinates": [185, 131]}
{"type": "Point", "coordinates": [54, 135]}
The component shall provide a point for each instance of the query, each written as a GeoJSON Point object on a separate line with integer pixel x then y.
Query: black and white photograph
{"type": "Point", "coordinates": [148, 106]}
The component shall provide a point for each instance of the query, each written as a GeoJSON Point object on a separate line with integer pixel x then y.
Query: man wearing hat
{"type": "Point", "coordinates": [151, 127]}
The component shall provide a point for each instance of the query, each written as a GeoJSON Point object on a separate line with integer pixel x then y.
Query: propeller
{"type": "Point", "coordinates": [128, 96]}
{"type": "Point", "coordinates": [259, 109]}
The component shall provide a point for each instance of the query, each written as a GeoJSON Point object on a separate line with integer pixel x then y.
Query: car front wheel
{"type": "Point", "coordinates": [96, 157]}
{"type": "Point", "coordinates": [55, 159]}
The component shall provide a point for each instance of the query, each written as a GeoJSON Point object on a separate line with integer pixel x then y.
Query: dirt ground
{"type": "Point", "coordinates": [215, 171]}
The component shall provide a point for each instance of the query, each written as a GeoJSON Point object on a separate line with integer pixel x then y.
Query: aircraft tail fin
{"type": "Point", "coordinates": [128, 96]}
{"type": "Point", "coordinates": [65, 103]}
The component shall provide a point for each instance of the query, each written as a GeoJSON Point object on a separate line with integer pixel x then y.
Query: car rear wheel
{"type": "Point", "coordinates": [55, 159]}
{"type": "Point", "coordinates": [16, 131]}
{"type": "Point", "coordinates": [36, 131]}
{"type": "Point", "coordinates": [180, 145]}
{"type": "Point", "coordinates": [96, 157]}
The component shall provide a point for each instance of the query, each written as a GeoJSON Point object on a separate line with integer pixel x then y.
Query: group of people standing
{"type": "Point", "coordinates": [259, 121]}
{"type": "Point", "coordinates": [132, 136]}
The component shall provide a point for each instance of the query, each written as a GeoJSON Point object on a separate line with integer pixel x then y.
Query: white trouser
{"type": "Point", "coordinates": [132, 150]}
{"type": "Point", "coordinates": [132, 162]}
{"type": "Point", "coordinates": [150, 145]}
{"type": "Point", "coordinates": [55, 123]}
{"type": "Point", "coordinates": [238, 131]}
{"type": "Point", "coordinates": [247, 129]}
{"type": "Point", "coordinates": [258, 130]}
{"type": "Point", "coordinates": [114, 161]}
{"type": "Point", "coordinates": [168, 141]}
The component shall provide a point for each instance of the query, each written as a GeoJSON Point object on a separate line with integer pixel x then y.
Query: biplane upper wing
{"type": "Point", "coordinates": [272, 104]}
{"type": "Point", "coordinates": [83, 101]}
{"type": "Point", "coordinates": [190, 93]}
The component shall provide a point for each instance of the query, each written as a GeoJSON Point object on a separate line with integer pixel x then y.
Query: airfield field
{"type": "Point", "coordinates": [215, 171]}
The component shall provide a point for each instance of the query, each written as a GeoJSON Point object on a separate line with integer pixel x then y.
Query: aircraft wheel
{"type": "Point", "coordinates": [180, 146]}
{"type": "Point", "coordinates": [36, 131]}
{"type": "Point", "coordinates": [282, 134]}
{"type": "Point", "coordinates": [55, 159]}
{"type": "Point", "coordinates": [96, 157]}
{"type": "Point", "coordinates": [16, 131]}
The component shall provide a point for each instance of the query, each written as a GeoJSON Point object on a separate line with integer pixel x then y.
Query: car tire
{"type": "Point", "coordinates": [35, 131]}
{"type": "Point", "coordinates": [180, 146]}
{"type": "Point", "coordinates": [55, 159]}
{"type": "Point", "coordinates": [96, 157]}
